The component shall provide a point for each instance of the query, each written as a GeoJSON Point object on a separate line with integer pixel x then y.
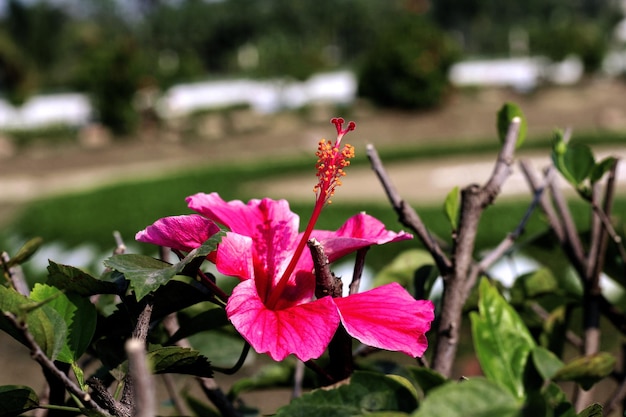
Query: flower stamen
{"type": "Point", "coordinates": [332, 159]}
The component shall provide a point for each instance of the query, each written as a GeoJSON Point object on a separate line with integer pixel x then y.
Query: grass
{"type": "Point", "coordinates": [129, 207]}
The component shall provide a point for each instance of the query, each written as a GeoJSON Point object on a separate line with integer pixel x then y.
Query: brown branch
{"type": "Point", "coordinates": [14, 274]}
{"type": "Point", "coordinates": [359, 265]}
{"type": "Point", "coordinates": [325, 281]}
{"type": "Point", "coordinates": [458, 283]}
{"type": "Point", "coordinates": [40, 357]}
{"type": "Point", "coordinates": [407, 215]}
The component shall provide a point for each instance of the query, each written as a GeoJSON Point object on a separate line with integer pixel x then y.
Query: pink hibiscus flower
{"type": "Point", "coordinates": [274, 307]}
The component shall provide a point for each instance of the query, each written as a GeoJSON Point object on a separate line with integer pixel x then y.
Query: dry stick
{"type": "Point", "coordinates": [143, 384]}
{"type": "Point", "coordinates": [359, 264]}
{"type": "Point", "coordinates": [407, 215]}
{"type": "Point", "coordinates": [615, 316]}
{"type": "Point", "coordinates": [208, 385]}
{"type": "Point", "coordinates": [457, 285]}
{"type": "Point", "coordinates": [40, 357]}
{"type": "Point", "coordinates": [140, 333]}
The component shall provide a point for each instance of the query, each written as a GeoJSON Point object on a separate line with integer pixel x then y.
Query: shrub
{"type": "Point", "coordinates": [407, 67]}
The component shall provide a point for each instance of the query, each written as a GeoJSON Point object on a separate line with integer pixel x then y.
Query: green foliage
{"type": "Point", "coordinates": [17, 399]}
{"type": "Point", "coordinates": [475, 397]}
{"type": "Point", "coordinates": [79, 315]}
{"type": "Point", "coordinates": [44, 323]}
{"type": "Point", "coordinates": [407, 67]}
{"type": "Point", "coordinates": [452, 207]}
{"type": "Point", "coordinates": [587, 370]}
{"type": "Point", "coordinates": [501, 340]}
{"type": "Point", "coordinates": [366, 393]}
{"type": "Point", "coordinates": [505, 115]}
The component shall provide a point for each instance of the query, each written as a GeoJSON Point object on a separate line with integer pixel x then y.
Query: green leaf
{"type": "Point", "coordinates": [557, 401]}
{"type": "Point", "coordinates": [574, 161]}
{"type": "Point", "coordinates": [146, 274]}
{"type": "Point", "coordinates": [505, 115]}
{"type": "Point", "coordinates": [534, 284]}
{"type": "Point", "coordinates": [452, 207]}
{"type": "Point", "coordinates": [402, 268]}
{"type": "Point", "coordinates": [17, 399]}
{"type": "Point", "coordinates": [178, 360]}
{"type": "Point", "coordinates": [25, 252]}
{"type": "Point", "coordinates": [601, 168]}
{"type": "Point", "coordinates": [501, 340]}
{"type": "Point", "coordinates": [427, 379]}
{"type": "Point", "coordinates": [587, 370]}
{"type": "Point", "coordinates": [79, 315]}
{"type": "Point", "coordinates": [367, 392]}
{"type": "Point", "coordinates": [594, 410]}
{"type": "Point", "coordinates": [74, 280]}
{"type": "Point", "coordinates": [546, 362]}
{"type": "Point", "coordinates": [44, 323]}
{"type": "Point", "coordinates": [475, 397]}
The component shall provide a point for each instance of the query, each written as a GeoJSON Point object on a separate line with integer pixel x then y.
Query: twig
{"type": "Point", "coordinates": [40, 357]}
{"type": "Point", "coordinates": [359, 265]}
{"type": "Point", "coordinates": [298, 379]}
{"type": "Point", "coordinates": [177, 401]}
{"type": "Point", "coordinates": [15, 275]}
{"type": "Point", "coordinates": [407, 215]}
{"type": "Point", "coordinates": [341, 363]}
{"type": "Point", "coordinates": [458, 283]}
{"type": "Point", "coordinates": [325, 282]}
{"type": "Point", "coordinates": [143, 384]}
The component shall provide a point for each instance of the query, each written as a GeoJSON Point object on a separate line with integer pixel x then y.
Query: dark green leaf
{"type": "Point", "coordinates": [367, 392]}
{"type": "Point", "coordinates": [26, 251]}
{"type": "Point", "coordinates": [505, 115]}
{"type": "Point", "coordinates": [17, 399]}
{"type": "Point", "coordinates": [145, 274]}
{"type": "Point", "coordinates": [45, 324]}
{"type": "Point", "coordinates": [79, 316]}
{"type": "Point", "coordinates": [475, 397]}
{"type": "Point", "coordinates": [546, 362]}
{"type": "Point", "coordinates": [501, 340]}
{"type": "Point", "coordinates": [587, 370]}
{"type": "Point", "coordinates": [534, 284]}
{"type": "Point", "coordinates": [74, 280]}
{"type": "Point", "coordinates": [178, 360]}
{"type": "Point", "coordinates": [594, 410]}
{"type": "Point", "coordinates": [402, 268]}
{"type": "Point", "coordinates": [427, 379]}
{"type": "Point", "coordinates": [574, 161]}
{"type": "Point", "coordinates": [601, 168]}
{"type": "Point", "coordinates": [452, 207]}
{"type": "Point", "coordinates": [558, 402]}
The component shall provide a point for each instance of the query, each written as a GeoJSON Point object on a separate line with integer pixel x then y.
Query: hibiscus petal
{"type": "Point", "coordinates": [303, 330]}
{"type": "Point", "coordinates": [388, 317]}
{"type": "Point", "coordinates": [234, 256]}
{"type": "Point", "coordinates": [357, 232]}
{"type": "Point", "coordinates": [179, 232]}
{"type": "Point", "coordinates": [246, 219]}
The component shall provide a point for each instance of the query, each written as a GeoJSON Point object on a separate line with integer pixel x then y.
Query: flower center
{"type": "Point", "coordinates": [332, 159]}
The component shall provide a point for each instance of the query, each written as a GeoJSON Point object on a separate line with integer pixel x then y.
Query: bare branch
{"type": "Point", "coordinates": [325, 282]}
{"type": "Point", "coordinates": [143, 384]}
{"type": "Point", "coordinates": [359, 264]}
{"type": "Point", "coordinates": [407, 215]}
